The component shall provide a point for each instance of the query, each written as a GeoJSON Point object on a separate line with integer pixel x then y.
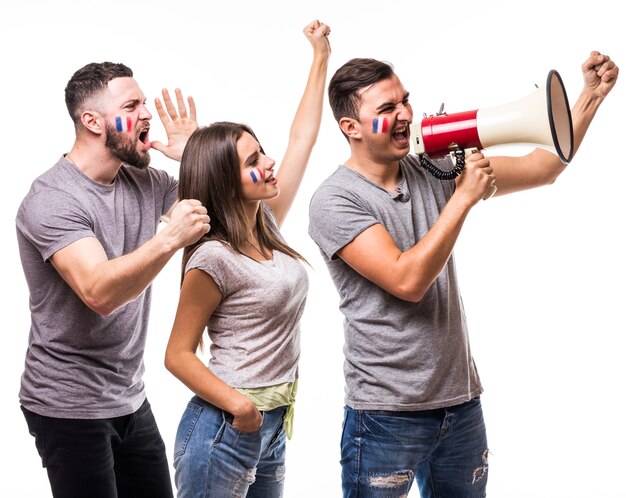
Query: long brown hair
{"type": "Point", "coordinates": [210, 173]}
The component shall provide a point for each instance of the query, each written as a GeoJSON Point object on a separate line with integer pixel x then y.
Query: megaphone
{"type": "Point", "coordinates": [542, 119]}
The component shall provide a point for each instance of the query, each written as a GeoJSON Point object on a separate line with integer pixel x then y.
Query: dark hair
{"type": "Point", "coordinates": [88, 81]}
{"type": "Point", "coordinates": [210, 173]}
{"type": "Point", "coordinates": [344, 86]}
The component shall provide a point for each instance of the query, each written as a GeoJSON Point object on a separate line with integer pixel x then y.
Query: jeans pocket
{"type": "Point", "coordinates": [228, 423]}
{"type": "Point", "coordinates": [186, 427]}
{"type": "Point", "coordinates": [241, 449]}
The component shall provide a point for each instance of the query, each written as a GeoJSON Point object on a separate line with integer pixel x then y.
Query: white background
{"type": "Point", "coordinates": [542, 272]}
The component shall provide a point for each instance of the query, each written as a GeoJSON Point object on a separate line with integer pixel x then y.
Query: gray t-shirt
{"type": "Point", "coordinates": [399, 355]}
{"type": "Point", "coordinates": [255, 330]}
{"type": "Point", "coordinates": [80, 364]}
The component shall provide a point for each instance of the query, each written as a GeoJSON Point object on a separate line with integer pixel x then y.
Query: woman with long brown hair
{"type": "Point", "coordinates": [247, 287]}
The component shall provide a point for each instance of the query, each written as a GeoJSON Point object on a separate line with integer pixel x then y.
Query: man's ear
{"type": "Point", "coordinates": [350, 127]}
{"type": "Point", "coordinates": [93, 121]}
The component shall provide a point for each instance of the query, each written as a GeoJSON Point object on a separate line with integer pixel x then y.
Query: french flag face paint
{"type": "Point", "coordinates": [123, 124]}
{"type": "Point", "coordinates": [257, 175]}
{"type": "Point", "coordinates": [380, 125]}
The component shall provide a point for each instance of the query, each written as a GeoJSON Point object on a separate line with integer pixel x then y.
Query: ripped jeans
{"type": "Point", "coordinates": [444, 451]}
{"type": "Point", "coordinates": [213, 459]}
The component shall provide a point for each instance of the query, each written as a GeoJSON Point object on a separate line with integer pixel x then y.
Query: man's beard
{"type": "Point", "coordinates": [124, 149]}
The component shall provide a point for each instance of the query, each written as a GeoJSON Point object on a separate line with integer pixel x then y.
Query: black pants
{"type": "Point", "coordinates": [121, 457]}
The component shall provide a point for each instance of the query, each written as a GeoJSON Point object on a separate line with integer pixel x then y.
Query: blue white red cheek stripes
{"type": "Point", "coordinates": [379, 125]}
{"type": "Point", "coordinates": [256, 172]}
{"type": "Point", "coordinates": [123, 124]}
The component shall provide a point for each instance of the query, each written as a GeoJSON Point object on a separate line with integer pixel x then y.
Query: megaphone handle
{"type": "Point", "coordinates": [434, 170]}
{"type": "Point", "coordinates": [490, 192]}
{"type": "Point", "coordinates": [492, 188]}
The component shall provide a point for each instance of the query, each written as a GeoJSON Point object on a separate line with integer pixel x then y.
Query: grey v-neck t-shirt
{"type": "Point", "coordinates": [255, 330]}
{"type": "Point", "coordinates": [399, 355]}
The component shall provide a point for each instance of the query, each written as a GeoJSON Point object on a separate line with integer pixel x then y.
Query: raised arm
{"type": "Point", "coordinates": [199, 297]}
{"type": "Point", "coordinates": [104, 285]}
{"type": "Point", "coordinates": [409, 274]}
{"type": "Point", "coordinates": [306, 123]}
{"type": "Point", "coordinates": [541, 167]}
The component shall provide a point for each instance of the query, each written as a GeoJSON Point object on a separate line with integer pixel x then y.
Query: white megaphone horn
{"type": "Point", "coordinates": [542, 119]}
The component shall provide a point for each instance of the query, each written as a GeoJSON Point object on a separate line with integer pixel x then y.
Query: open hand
{"type": "Point", "coordinates": [179, 124]}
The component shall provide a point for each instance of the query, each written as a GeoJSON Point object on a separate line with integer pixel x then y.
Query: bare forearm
{"type": "Point", "coordinates": [105, 284]}
{"type": "Point", "coordinates": [420, 266]}
{"type": "Point", "coordinates": [306, 122]}
{"type": "Point", "coordinates": [121, 280]}
{"type": "Point", "coordinates": [302, 137]}
{"type": "Point", "coordinates": [541, 167]}
{"type": "Point", "coordinates": [583, 113]}
{"type": "Point", "coordinates": [407, 275]}
{"type": "Point", "coordinates": [190, 370]}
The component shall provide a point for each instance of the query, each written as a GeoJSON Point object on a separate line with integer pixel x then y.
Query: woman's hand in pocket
{"type": "Point", "coordinates": [249, 419]}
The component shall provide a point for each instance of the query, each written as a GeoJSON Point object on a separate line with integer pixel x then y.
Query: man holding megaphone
{"type": "Point", "coordinates": [386, 226]}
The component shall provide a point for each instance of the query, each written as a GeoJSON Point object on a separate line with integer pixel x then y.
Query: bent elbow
{"type": "Point", "coordinates": [551, 179]}
{"type": "Point", "coordinates": [168, 362]}
{"type": "Point", "coordinates": [104, 304]}
{"type": "Point", "coordinates": [100, 307]}
{"type": "Point", "coordinates": [171, 362]}
{"type": "Point", "coordinates": [413, 294]}
{"type": "Point", "coordinates": [413, 297]}
{"type": "Point", "coordinates": [551, 174]}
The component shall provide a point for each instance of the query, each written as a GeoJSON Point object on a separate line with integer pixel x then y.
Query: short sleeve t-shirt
{"type": "Point", "coordinates": [255, 330]}
{"type": "Point", "coordinates": [399, 355]}
{"type": "Point", "coordinates": [80, 364]}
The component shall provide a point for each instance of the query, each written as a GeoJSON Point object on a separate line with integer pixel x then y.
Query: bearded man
{"type": "Point", "coordinates": [88, 241]}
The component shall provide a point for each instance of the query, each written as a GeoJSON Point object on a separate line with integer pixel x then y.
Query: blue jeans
{"type": "Point", "coordinates": [120, 457]}
{"type": "Point", "coordinates": [213, 459]}
{"type": "Point", "coordinates": [444, 450]}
